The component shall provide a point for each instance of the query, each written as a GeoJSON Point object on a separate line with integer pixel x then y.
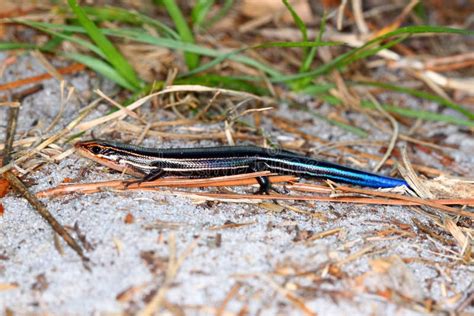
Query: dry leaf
{"type": "Point", "coordinates": [255, 9]}
{"type": "Point", "coordinates": [393, 274]}
{"type": "Point", "coordinates": [4, 185]}
{"type": "Point", "coordinates": [444, 187]}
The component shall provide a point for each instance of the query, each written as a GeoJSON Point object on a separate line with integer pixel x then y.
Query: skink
{"type": "Point", "coordinates": [150, 163]}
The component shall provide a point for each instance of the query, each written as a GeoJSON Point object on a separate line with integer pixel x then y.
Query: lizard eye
{"type": "Point", "coordinates": [95, 150]}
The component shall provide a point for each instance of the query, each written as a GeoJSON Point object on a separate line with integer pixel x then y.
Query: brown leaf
{"type": "Point", "coordinates": [256, 9]}
{"type": "Point", "coordinates": [4, 186]}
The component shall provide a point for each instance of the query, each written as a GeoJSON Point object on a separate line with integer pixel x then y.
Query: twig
{"type": "Point", "coordinates": [52, 138]}
{"type": "Point", "coordinates": [119, 106]}
{"type": "Point", "coordinates": [22, 189]}
{"type": "Point", "coordinates": [468, 301]}
{"type": "Point", "coordinates": [295, 300]}
{"type": "Point", "coordinates": [173, 267]}
{"type": "Point", "coordinates": [62, 104]}
{"type": "Point", "coordinates": [239, 180]}
{"type": "Point", "coordinates": [122, 125]}
{"type": "Point", "coordinates": [395, 133]}
{"type": "Point", "coordinates": [10, 135]}
{"type": "Point", "coordinates": [242, 179]}
{"type": "Point", "coordinates": [255, 198]}
{"type": "Point", "coordinates": [355, 255]}
{"type": "Point", "coordinates": [233, 291]}
{"type": "Point", "coordinates": [359, 16]}
{"type": "Point", "coordinates": [431, 203]}
{"type": "Point", "coordinates": [12, 104]}
{"type": "Point", "coordinates": [171, 89]}
{"type": "Point", "coordinates": [410, 175]}
{"type": "Point", "coordinates": [66, 70]}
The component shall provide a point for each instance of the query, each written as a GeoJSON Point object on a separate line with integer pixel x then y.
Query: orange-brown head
{"type": "Point", "coordinates": [105, 154]}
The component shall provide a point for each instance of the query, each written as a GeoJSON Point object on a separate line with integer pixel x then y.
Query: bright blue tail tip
{"type": "Point", "coordinates": [391, 183]}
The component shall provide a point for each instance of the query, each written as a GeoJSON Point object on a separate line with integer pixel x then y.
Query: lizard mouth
{"type": "Point", "coordinates": [97, 152]}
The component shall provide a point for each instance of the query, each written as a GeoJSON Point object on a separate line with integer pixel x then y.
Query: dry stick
{"type": "Point", "coordinates": [122, 125]}
{"type": "Point", "coordinates": [208, 106]}
{"type": "Point", "coordinates": [359, 17]}
{"type": "Point", "coordinates": [174, 264]}
{"type": "Point", "coordinates": [171, 89]}
{"type": "Point", "coordinates": [237, 197]}
{"type": "Point", "coordinates": [66, 70]}
{"type": "Point", "coordinates": [62, 103]}
{"type": "Point", "coordinates": [10, 104]}
{"type": "Point", "coordinates": [467, 302]}
{"type": "Point", "coordinates": [52, 138]}
{"type": "Point", "coordinates": [22, 189]}
{"type": "Point", "coordinates": [234, 197]}
{"type": "Point", "coordinates": [409, 174]}
{"type": "Point", "coordinates": [233, 291]}
{"type": "Point", "coordinates": [236, 180]}
{"type": "Point", "coordinates": [394, 137]}
{"type": "Point", "coordinates": [19, 96]}
{"type": "Point", "coordinates": [243, 179]}
{"type": "Point", "coordinates": [53, 72]}
{"type": "Point", "coordinates": [11, 128]}
{"type": "Point", "coordinates": [295, 300]}
{"type": "Point", "coordinates": [119, 106]}
{"type": "Point", "coordinates": [433, 204]}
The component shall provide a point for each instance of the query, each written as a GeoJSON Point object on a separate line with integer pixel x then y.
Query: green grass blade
{"type": "Point", "coordinates": [223, 57]}
{"type": "Point", "coordinates": [295, 44]}
{"type": "Point", "coordinates": [101, 67]}
{"type": "Point", "coordinates": [297, 85]}
{"type": "Point", "coordinates": [317, 89]}
{"type": "Point", "coordinates": [342, 59]}
{"type": "Point", "coordinates": [352, 129]}
{"type": "Point", "coordinates": [420, 12]}
{"type": "Point", "coordinates": [112, 13]}
{"type": "Point", "coordinates": [114, 57]}
{"type": "Point", "coordinates": [371, 51]}
{"type": "Point", "coordinates": [139, 36]}
{"type": "Point", "coordinates": [298, 21]}
{"type": "Point", "coordinates": [420, 114]}
{"type": "Point", "coordinates": [192, 60]}
{"type": "Point", "coordinates": [14, 45]}
{"type": "Point", "coordinates": [306, 65]}
{"type": "Point", "coordinates": [227, 82]}
{"type": "Point", "coordinates": [53, 43]}
{"type": "Point", "coordinates": [64, 35]}
{"type": "Point", "coordinates": [314, 50]}
{"type": "Point", "coordinates": [421, 94]}
{"type": "Point", "coordinates": [189, 47]}
{"type": "Point", "coordinates": [212, 63]}
{"type": "Point", "coordinates": [200, 12]}
{"type": "Point", "coordinates": [220, 14]}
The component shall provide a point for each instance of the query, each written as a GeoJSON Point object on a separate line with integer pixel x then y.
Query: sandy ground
{"type": "Point", "coordinates": [267, 264]}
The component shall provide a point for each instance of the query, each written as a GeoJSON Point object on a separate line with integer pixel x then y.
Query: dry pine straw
{"type": "Point", "coordinates": [391, 58]}
{"type": "Point", "coordinates": [119, 115]}
{"type": "Point", "coordinates": [366, 196]}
